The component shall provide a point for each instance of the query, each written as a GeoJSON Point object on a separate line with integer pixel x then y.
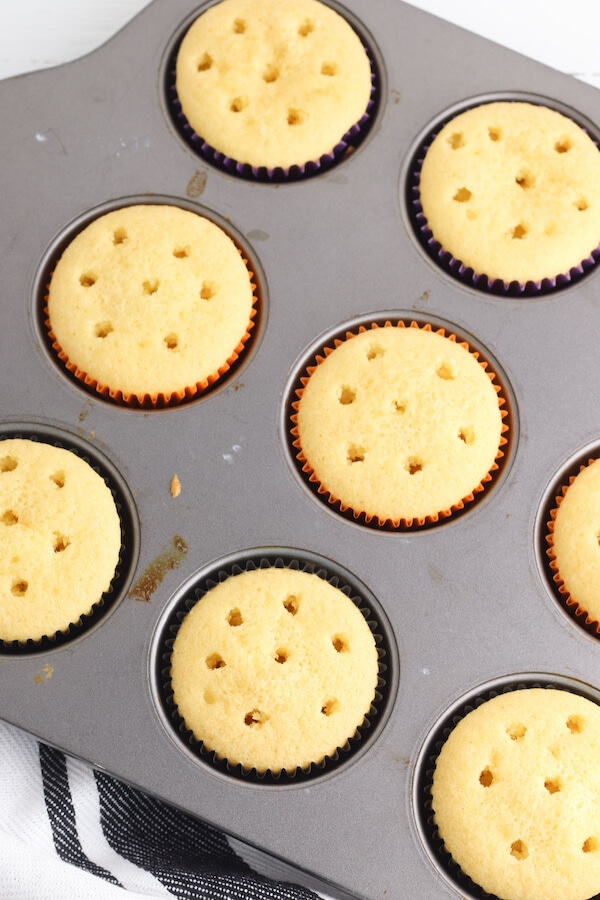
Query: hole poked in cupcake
{"type": "Point", "coordinates": [307, 667]}
{"type": "Point", "coordinates": [537, 824]}
{"type": "Point", "coordinates": [494, 207]}
{"type": "Point", "coordinates": [421, 403]}
{"type": "Point", "coordinates": [195, 300]}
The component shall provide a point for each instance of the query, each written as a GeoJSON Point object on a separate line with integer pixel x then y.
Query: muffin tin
{"type": "Point", "coordinates": [464, 607]}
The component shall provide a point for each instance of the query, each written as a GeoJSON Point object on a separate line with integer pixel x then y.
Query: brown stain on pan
{"type": "Point", "coordinates": [170, 558]}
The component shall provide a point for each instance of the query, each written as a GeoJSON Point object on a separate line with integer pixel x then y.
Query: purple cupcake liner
{"type": "Point", "coordinates": [347, 143]}
{"type": "Point", "coordinates": [466, 274]}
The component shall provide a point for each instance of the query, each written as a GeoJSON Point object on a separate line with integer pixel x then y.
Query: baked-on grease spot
{"type": "Point", "coordinates": [205, 63]}
{"type": "Point", "coordinates": [340, 643]}
{"type": "Point", "coordinates": [414, 465]}
{"type": "Point", "coordinates": [239, 26]}
{"type": "Point", "coordinates": [181, 252]}
{"type": "Point", "coordinates": [519, 850]}
{"type": "Point", "coordinates": [517, 731]}
{"type": "Point", "coordinates": [575, 724]}
{"type": "Point", "coordinates": [60, 542]}
{"type": "Point", "coordinates": [466, 434]}
{"type": "Point", "coordinates": [347, 395]}
{"type": "Point", "coordinates": [329, 69]}
{"type": "Point", "coordinates": [170, 558]}
{"type": "Point", "coordinates": [563, 145]}
{"type": "Point", "coordinates": [295, 117]}
{"type": "Point", "coordinates": [45, 675]}
{"type": "Point", "coordinates": [196, 184]}
{"type": "Point", "coordinates": [330, 707]}
{"type": "Point", "coordinates": [457, 140]}
{"type": "Point", "coordinates": [375, 351]}
{"type": "Point", "coordinates": [355, 454]}
{"type": "Point", "coordinates": [486, 777]}
{"type": "Point", "coordinates": [590, 845]}
{"type": "Point", "coordinates": [208, 290]}
{"type": "Point", "coordinates": [151, 287]}
{"type": "Point", "coordinates": [581, 204]}
{"type": "Point", "coordinates": [239, 103]}
{"type": "Point", "coordinates": [19, 588]}
{"type": "Point", "coordinates": [525, 180]}
{"type": "Point", "coordinates": [87, 279]}
{"type": "Point", "coordinates": [519, 232]}
{"type": "Point", "coordinates": [306, 28]}
{"type": "Point", "coordinates": [103, 329]}
{"type": "Point", "coordinates": [552, 785]}
{"type": "Point", "coordinates": [9, 517]}
{"type": "Point", "coordinates": [255, 717]}
{"type": "Point", "coordinates": [8, 464]}
{"type": "Point", "coordinates": [171, 341]}
{"type": "Point", "coordinates": [59, 478]}
{"type": "Point", "coordinates": [463, 195]}
{"type": "Point", "coordinates": [447, 370]}
{"type": "Point", "coordinates": [292, 604]}
{"type": "Point", "coordinates": [215, 661]}
{"type": "Point", "coordinates": [281, 656]}
{"type": "Point", "coordinates": [235, 617]}
{"type": "Point", "coordinates": [270, 74]}
{"type": "Point", "coordinates": [494, 133]}
{"type": "Point", "coordinates": [119, 236]}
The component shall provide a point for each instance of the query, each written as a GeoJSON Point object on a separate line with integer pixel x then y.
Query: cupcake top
{"type": "Point", "coordinates": [61, 539]}
{"type": "Point", "coordinates": [399, 423]}
{"type": "Point", "coordinates": [512, 190]}
{"type": "Point", "coordinates": [150, 302]}
{"type": "Point", "coordinates": [274, 669]}
{"type": "Point", "coordinates": [574, 542]}
{"type": "Point", "coordinates": [516, 795]}
{"type": "Point", "coordinates": [272, 84]}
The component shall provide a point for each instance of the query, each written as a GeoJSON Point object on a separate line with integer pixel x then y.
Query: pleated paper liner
{"type": "Point", "coordinates": [431, 749]}
{"type": "Point", "coordinates": [580, 615]}
{"type": "Point", "coordinates": [108, 601]}
{"type": "Point", "coordinates": [162, 399]}
{"type": "Point", "coordinates": [327, 570]}
{"type": "Point", "coordinates": [401, 523]}
{"type": "Point", "coordinates": [455, 267]}
{"type": "Point", "coordinates": [344, 147]}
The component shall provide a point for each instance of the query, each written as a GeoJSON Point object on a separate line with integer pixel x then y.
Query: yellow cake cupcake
{"type": "Point", "coordinates": [516, 795]}
{"type": "Point", "coordinates": [399, 424]}
{"type": "Point", "coordinates": [272, 84]}
{"type": "Point", "coordinates": [61, 539]}
{"type": "Point", "coordinates": [512, 191]}
{"type": "Point", "coordinates": [150, 304]}
{"type": "Point", "coordinates": [573, 538]}
{"type": "Point", "coordinates": [274, 669]}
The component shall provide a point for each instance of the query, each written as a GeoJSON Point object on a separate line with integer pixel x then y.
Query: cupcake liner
{"type": "Point", "coordinates": [159, 400]}
{"type": "Point", "coordinates": [109, 597]}
{"type": "Point", "coordinates": [347, 143]}
{"type": "Point", "coordinates": [466, 274]}
{"type": "Point", "coordinates": [238, 771]}
{"type": "Point", "coordinates": [571, 606]}
{"type": "Point", "coordinates": [373, 520]}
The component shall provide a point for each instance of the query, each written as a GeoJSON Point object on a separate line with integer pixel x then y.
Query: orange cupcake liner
{"type": "Point", "coordinates": [401, 523]}
{"type": "Point", "coordinates": [572, 606]}
{"type": "Point", "coordinates": [161, 399]}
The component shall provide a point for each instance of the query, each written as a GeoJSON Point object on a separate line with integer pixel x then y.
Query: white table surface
{"type": "Point", "coordinates": [39, 33]}
{"type": "Point", "coordinates": [35, 34]}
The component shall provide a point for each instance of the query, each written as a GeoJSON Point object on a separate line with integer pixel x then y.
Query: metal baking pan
{"type": "Point", "coordinates": [463, 604]}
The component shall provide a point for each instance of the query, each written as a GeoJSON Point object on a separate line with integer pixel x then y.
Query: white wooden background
{"type": "Point", "coordinates": [561, 33]}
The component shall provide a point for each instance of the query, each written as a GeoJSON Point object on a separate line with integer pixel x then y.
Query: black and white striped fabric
{"type": "Point", "coordinates": [68, 832]}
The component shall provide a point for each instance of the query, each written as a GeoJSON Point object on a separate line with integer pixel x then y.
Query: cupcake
{"type": "Point", "coordinates": [274, 669]}
{"type": "Point", "coordinates": [272, 86]}
{"type": "Point", "coordinates": [573, 537]}
{"type": "Point", "coordinates": [516, 795]}
{"type": "Point", "coordinates": [61, 540]}
{"type": "Point", "coordinates": [399, 425]}
{"type": "Point", "coordinates": [510, 194]}
{"type": "Point", "coordinates": [150, 305]}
